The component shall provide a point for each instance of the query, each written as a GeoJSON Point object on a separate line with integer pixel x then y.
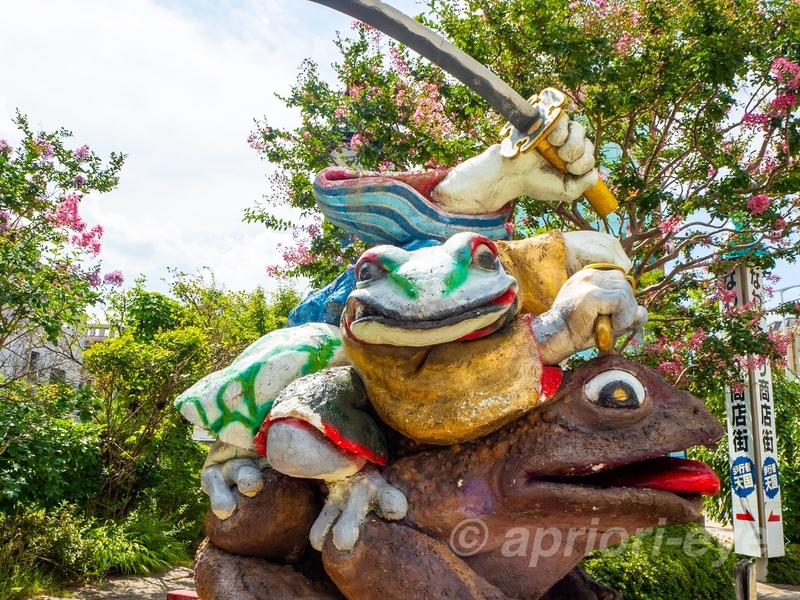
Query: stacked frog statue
{"type": "Point", "coordinates": [423, 386]}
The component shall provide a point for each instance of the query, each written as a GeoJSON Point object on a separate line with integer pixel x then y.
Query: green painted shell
{"type": "Point", "coordinates": [233, 402]}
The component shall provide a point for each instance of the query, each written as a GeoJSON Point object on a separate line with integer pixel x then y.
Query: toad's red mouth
{"type": "Point", "coordinates": [676, 475]}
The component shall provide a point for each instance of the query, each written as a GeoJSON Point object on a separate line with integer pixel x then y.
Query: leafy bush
{"type": "Point", "coordinates": [785, 570]}
{"type": "Point", "coordinates": [43, 550]}
{"type": "Point", "coordinates": [687, 564]}
{"type": "Point", "coordinates": [47, 455]}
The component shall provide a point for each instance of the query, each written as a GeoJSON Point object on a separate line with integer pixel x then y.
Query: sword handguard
{"type": "Point", "coordinates": [551, 103]}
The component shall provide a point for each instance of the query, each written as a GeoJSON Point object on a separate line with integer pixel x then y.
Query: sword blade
{"type": "Point", "coordinates": [500, 96]}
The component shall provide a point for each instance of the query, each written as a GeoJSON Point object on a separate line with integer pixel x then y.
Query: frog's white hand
{"type": "Point", "coordinates": [587, 247]}
{"type": "Point", "coordinates": [568, 327]}
{"type": "Point", "coordinates": [488, 181]}
{"type": "Point", "coordinates": [226, 467]}
{"type": "Point", "coordinates": [351, 500]}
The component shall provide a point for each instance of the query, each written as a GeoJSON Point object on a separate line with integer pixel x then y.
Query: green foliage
{"type": "Point", "coordinates": [687, 564]}
{"type": "Point", "coordinates": [47, 454]}
{"type": "Point", "coordinates": [136, 381]}
{"type": "Point", "coordinates": [691, 109]}
{"type": "Point", "coordinates": [41, 551]}
{"type": "Point", "coordinates": [47, 276]}
{"type": "Point", "coordinates": [786, 569]}
{"type": "Point", "coordinates": [231, 321]}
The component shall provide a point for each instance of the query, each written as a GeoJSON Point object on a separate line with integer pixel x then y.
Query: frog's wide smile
{"type": "Point", "coordinates": [373, 325]}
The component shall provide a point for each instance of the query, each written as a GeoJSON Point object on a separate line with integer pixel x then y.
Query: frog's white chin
{"type": "Point", "coordinates": [376, 332]}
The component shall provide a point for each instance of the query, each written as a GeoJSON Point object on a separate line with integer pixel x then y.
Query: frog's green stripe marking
{"type": "Point", "coordinates": [460, 273]}
{"type": "Point", "coordinates": [318, 358]}
{"type": "Point", "coordinates": [404, 283]}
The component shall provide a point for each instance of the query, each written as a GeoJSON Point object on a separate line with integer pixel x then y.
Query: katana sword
{"type": "Point", "coordinates": [529, 121]}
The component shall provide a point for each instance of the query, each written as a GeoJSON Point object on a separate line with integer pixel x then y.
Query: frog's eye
{"type": "Point", "coordinates": [367, 270]}
{"type": "Point", "coordinates": [484, 256]}
{"type": "Point", "coordinates": [615, 389]}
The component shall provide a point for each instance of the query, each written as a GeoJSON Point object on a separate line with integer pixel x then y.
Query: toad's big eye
{"type": "Point", "coordinates": [615, 389]}
{"type": "Point", "coordinates": [368, 270]}
{"type": "Point", "coordinates": [484, 257]}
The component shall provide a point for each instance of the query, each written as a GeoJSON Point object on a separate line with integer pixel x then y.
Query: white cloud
{"type": "Point", "coordinates": [176, 86]}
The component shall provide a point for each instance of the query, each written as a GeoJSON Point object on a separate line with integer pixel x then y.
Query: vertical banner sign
{"type": "Point", "coordinates": [761, 382]}
{"type": "Point", "coordinates": [744, 496]}
{"type": "Point", "coordinates": [755, 483]}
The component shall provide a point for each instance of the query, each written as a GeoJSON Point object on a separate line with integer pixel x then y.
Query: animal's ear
{"type": "Point", "coordinates": [615, 389]}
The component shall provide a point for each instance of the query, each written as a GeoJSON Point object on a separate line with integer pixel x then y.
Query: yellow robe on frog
{"type": "Point", "coordinates": [455, 392]}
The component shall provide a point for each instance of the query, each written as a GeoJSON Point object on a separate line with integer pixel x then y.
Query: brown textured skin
{"type": "Point", "coordinates": [494, 479]}
{"type": "Point", "coordinates": [497, 479]}
{"type": "Point", "coordinates": [219, 575]}
{"type": "Point", "coordinates": [426, 568]}
{"type": "Point", "coordinates": [577, 585]}
{"type": "Point", "coordinates": [273, 524]}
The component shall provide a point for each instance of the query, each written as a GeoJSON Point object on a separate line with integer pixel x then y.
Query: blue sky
{"type": "Point", "coordinates": [175, 84]}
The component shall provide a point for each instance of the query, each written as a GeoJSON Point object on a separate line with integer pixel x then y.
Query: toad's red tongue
{"type": "Point", "coordinates": [675, 475]}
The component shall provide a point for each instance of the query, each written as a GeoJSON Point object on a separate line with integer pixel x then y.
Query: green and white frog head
{"type": "Point", "coordinates": [455, 291]}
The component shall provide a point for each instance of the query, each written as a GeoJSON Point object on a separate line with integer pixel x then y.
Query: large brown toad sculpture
{"type": "Point", "coordinates": [454, 345]}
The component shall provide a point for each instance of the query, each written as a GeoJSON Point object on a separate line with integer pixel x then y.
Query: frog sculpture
{"type": "Point", "coordinates": [453, 345]}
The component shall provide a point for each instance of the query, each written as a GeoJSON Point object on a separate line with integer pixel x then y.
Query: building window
{"type": "Point", "coordinates": [33, 366]}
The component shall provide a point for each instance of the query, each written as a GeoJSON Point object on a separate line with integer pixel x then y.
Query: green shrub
{"type": "Point", "coordinates": [47, 455]}
{"type": "Point", "coordinates": [785, 570]}
{"type": "Point", "coordinates": [42, 550]}
{"type": "Point", "coordinates": [687, 564]}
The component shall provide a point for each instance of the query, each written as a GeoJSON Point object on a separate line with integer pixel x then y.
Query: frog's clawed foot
{"type": "Point", "coordinates": [351, 500]}
{"type": "Point", "coordinates": [217, 481]}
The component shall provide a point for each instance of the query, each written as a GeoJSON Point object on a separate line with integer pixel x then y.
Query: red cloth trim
{"type": "Point", "coordinates": [551, 380]}
{"type": "Point", "coordinates": [551, 375]}
{"type": "Point", "coordinates": [260, 439]}
{"type": "Point", "coordinates": [353, 447]}
{"type": "Point", "coordinates": [422, 181]}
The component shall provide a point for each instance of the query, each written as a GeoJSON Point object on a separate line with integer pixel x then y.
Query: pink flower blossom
{"type": "Point", "coordinates": [755, 120]}
{"type": "Point", "coordinates": [573, 5]}
{"type": "Point", "coordinates": [81, 153]}
{"type": "Point", "coordinates": [45, 149]}
{"type": "Point", "coordinates": [758, 204]}
{"type": "Point", "coordinates": [782, 105]}
{"type": "Point", "coordinates": [356, 142]}
{"type": "Point", "coordinates": [670, 369]}
{"type": "Point", "coordinates": [4, 146]}
{"type": "Point", "coordinates": [671, 225]}
{"type": "Point", "coordinates": [5, 217]}
{"type": "Point", "coordinates": [66, 214]}
{"type": "Point", "coordinates": [254, 142]}
{"type": "Point", "coordinates": [94, 278]}
{"type": "Point", "coordinates": [114, 278]}
{"type": "Point", "coordinates": [79, 181]}
{"type": "Point", "coordinates": [339, 113]}
{"type": "Point", "coordinates": [89, 240]}
{"type": "Point", "coordinates": [509, 227]}
{"type": "Point", "coordinates": [786, 72]}
{"type": "Point", "coordinates": [625, 43]}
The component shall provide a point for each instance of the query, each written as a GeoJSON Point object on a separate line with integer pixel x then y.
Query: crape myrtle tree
{"type": "Point", "coordinates": [693, 110]}
{"type": "Point", "coordinates": [49, 271]}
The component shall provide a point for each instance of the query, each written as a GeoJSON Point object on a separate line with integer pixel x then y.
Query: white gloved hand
{"type": "Point", "coordinates": [350, 500]}
{"type": "Point", "coordinates": [587, 247]}
{"type": "Point", "coordinates": [568, 327]}
{"type": "Point", "coordinates": [228, 466]}
{"type": "Point", "coordinates": [488, 181]}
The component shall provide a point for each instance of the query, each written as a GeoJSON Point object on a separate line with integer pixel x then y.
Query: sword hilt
{"type": "Point", "coordinates": [550, 105]}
